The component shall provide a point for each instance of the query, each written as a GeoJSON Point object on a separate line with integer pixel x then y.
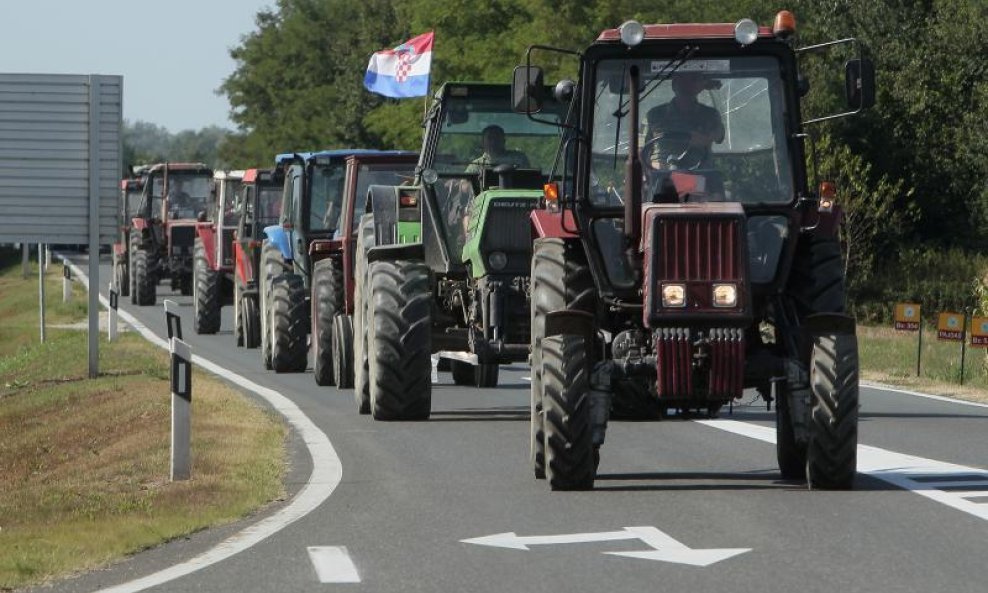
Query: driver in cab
{"type": "Point", "coordinates": [681, 132]}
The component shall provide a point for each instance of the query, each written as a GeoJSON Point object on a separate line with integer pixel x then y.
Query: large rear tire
{"type": "Point", "coordinates": [399, 340]}
{"type": "Point", "coordinates": [560, 280]}
{"type": "Point", "coordinates": [145, 287]}
{"type": "Point", "coordinates": [272, 266]}
{"type": "Point", "coordinates": [343, 351]}
{"type": "Point", "coordinates": [238, 315]}
{"type": "Point", "coordinates": [251, 316]}
{"type": "Point", "coordinates": [289, 324]}
{"type": "Point", "coordinates": [327, 299]}
{"type": "Point", "coordinates": [791, 455]}
{"type": "Point", "coordinates": [462, 372]}
{"type": "Point", "coordinates": [207, 293]}
{"type": "Point", "coordinates": [831, 455]}
{"type": "Point", "coordinates": [569, 451]}
{"type": "Point", "coordinates": [361, 381]}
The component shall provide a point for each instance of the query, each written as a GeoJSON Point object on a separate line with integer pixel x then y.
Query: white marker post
{"type": "Point", "coordinates": [66, 282]}
{"type": "Point", "coordinates": [173, 320]}
{"type": "Point", "coordinates": [111, 330]}
{"type": "Point", "coordinates": [181, 376]}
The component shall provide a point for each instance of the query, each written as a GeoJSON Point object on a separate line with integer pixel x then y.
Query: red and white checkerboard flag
{"type": "Point", "coordinates": [402, 71]}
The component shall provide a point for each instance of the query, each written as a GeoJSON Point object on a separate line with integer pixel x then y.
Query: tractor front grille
{"type": "Point", "coordinates": [508, 229]}
{"type": "Point", "coordinates": [181, 236]}
{"type": "Point", "coordinates": [697, 250]}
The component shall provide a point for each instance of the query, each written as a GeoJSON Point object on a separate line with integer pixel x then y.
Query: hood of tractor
{"type": "Point", "coordinates": [499, 233]}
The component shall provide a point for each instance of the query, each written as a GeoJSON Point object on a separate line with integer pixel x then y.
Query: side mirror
{"type": "Point", "coordinates": [526, 89]}
{"type": "Point", "coordinates": [859, 83]}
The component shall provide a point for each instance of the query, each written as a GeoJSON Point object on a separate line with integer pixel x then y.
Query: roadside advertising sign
{"type": "Point", "coordinates": [950, 327]}
{"type": "Point", "coordinates": [979, 331]}
{"type": "Point", "coordinates": [907, 316]}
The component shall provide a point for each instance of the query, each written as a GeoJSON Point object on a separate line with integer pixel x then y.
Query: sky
{"type": "Point", "coordinates": [172, 54]}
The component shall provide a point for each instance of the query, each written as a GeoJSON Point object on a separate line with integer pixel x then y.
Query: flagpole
{"type": "Point", "coordinates": [428, 87]}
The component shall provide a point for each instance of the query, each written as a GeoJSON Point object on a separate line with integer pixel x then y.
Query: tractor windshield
{"type": "Point", "coordinates": [715, 131]}
{"type": "Point", "coordinates": [326, 196]}
{"type": "Point", "coordinates": [188, 195]}
{"type": "Point", "coordinates": [377, 174]}
{"type": "Point", "coordinates": [479, 136]}
{"type": "Point", "coordinates": [268, 205]}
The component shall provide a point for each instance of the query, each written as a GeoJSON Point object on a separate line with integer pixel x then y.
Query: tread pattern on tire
{"type": "Point", "coordinates": [361, 384]}
{"type": "Point", "coordinates": [399, 340]}
{"type": "Point", "coordinates": [327, 300]}
{"type": "Point", "coordinates": [343, 351]}
{"type": "Point", "coordinates": [251, 318]}
{"type": "Point", "coordinates": [569, 451]}
{"type": "Point", "coordinates": [560, 280]}
{"type": "Point", "coordinates": [207, 292]}
{"type": "Point", "coordinates": [145, 289]}
{"type": "Point", "coordinates": [831, 455]}
{"type": "Point", "coordinates": [289, 324]}
{"type": "Point", "coordinates": [272, 265]}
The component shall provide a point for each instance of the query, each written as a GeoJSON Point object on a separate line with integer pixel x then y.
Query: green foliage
{"type": "Point", "coordinates": [145, 142]}
{"type": "Point", "coordinates": [940, 279]}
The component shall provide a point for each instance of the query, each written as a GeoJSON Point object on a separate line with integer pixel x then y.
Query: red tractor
{"type": "Point", "coordinates": [333, 262]}
{"type": "Point", "coordinates": [259, 206]}
{"type": "Point", "coordinates": [212, 264]}
{"type": "Point", "coordinates": [684, 255]}
{"type": "Point", "coordinates": [130, 201]}
{"type": "Point", "coordinates": [163, 232]}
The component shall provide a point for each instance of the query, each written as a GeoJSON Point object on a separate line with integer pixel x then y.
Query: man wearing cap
{"type": "Point", "coordinates": [681, 132]}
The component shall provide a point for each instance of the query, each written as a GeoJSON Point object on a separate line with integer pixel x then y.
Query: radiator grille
{"type": "Point", "coordinates": [698, 250]}
{"type": "Point", "coordinates": [181, 236]}
{"type": "Point", "coordinates": [508, 229]}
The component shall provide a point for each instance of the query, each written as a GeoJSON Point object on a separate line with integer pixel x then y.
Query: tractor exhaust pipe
{"type": "Point", "coordinates": [633, 177]}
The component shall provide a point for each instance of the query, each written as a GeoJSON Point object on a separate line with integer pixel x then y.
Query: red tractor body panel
{"type": "Point", "coordinates": [557, 225]}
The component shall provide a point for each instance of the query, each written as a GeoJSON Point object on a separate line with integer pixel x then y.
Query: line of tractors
{"type": "Point", "coordinates": [650, 237]}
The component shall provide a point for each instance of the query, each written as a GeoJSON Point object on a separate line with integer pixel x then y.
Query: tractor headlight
{"type": "Point", "coordinates": [497, 260]}
{"type": "Point", "coordinates": [673, 295]}
{"type": "Point", "coordinates": [725, 295]}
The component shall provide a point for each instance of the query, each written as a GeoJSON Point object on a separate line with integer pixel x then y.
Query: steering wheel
{"type": "Point", "coordinates": [691, 157]}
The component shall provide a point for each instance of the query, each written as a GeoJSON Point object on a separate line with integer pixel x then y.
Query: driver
{"type": "Point", "coordinates": [495, 153]}
{"type": "Point", "coordinates": [684, 116]}
{"type": "Point", "coordinates": [177, 196]}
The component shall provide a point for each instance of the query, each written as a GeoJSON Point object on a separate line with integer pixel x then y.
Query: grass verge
{"type": "Point", "coordinates": [84, 463]}
{"type": "Point", "coordinates": [889, 356]}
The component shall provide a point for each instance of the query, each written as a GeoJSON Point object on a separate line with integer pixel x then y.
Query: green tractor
{"type": "Point", "coordinates": [442, 265]}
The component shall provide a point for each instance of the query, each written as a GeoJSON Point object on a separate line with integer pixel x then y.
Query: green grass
{"type": "Point", "coordinates": [890, 356]}
{"type": "Point", "coordinates": [84, 464]}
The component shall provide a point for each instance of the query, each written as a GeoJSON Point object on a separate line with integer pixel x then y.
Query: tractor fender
{"type": "Point", "coordinates": [398, 251]}
{"type": "Point", "coordinates": [570, 321]}
{"type": "Point", "coordinates": [207, 234]}
{"type": "Point", "coordinates": [553, 225]}
{"type": "Point", "coordinates": [829, 323]}
{"type": "Point", "coordinates": [277, 236]}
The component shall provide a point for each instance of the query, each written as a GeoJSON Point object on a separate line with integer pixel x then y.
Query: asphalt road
{"type": "Point", "coordinates": [412, 492]}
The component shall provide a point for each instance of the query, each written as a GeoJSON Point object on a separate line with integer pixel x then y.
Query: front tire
{"type": "Point", "coordinates": [560, 280]}
{"type": "Point", "coordinates": [327, 298]}
{"type": "Point", "coordinates": [361, 382]}
{"type": "Point", "coordinates": [289, 324]}
{"type": "Point", "coordinates": [831, 456]}
{"type": "Point", "coordinates": [791, 455]}
{"type": "Point", "coordinates": [272, 266]}
{"type": "Point", "coordinates": [207, 293]}
{"type": "Point", "coordinates": [570, 463]}
{"type": "Point", "coordinates": [251, 316]}
{"type": "Point", "coordinates": [145, 292]}
{"type": "Point", "coordinates": [343, 351]}
{"type": "Point", "coordinates": [399, 340]}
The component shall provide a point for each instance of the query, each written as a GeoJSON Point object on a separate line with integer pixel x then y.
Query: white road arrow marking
{"type": "Point", "coordinates": [664, 547]}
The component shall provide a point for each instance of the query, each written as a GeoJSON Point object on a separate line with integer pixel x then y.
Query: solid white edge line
{"type": "Point", "coordinates": [327, 469]}
{"type": "Point", "coordinates": [333, 564]}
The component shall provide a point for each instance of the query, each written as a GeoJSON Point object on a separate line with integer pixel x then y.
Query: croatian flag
{"type": "Point", "coordinates": [402, 71]}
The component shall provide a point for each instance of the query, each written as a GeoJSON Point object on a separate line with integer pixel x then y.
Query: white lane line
{"type": "Point", "coordinates": [333, 564]}
{"type": "Point", "coordinates": [895, 468]}
{"type": "Point", "coordinates": [327, 470]}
